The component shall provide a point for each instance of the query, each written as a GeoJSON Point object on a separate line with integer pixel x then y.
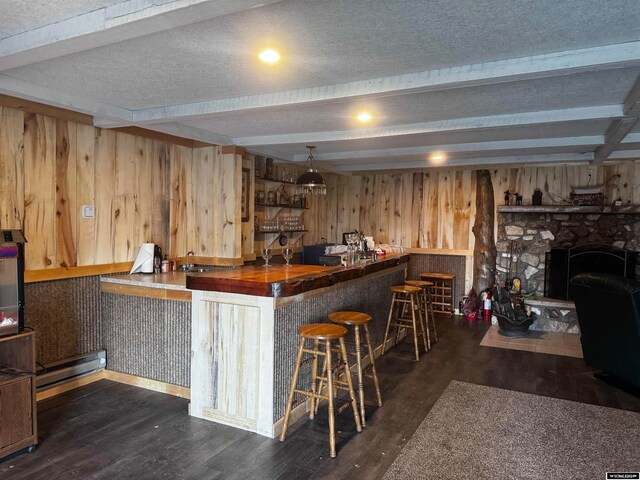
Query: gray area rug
{"type": "Point", "coordinates": [477, 432]}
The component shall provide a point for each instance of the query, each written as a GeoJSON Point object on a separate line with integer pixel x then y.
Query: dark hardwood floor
{"type": "Point", "coordinates": [108, 430]}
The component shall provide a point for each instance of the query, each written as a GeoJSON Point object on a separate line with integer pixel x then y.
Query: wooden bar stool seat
{"type": "Point", "coordinates": [325, 333]}
{"type": "Point", "coordinates": [426, 306]}
{"type": "Point", "coordinates": [405, 296]}
{"type": "Point", "coordinates": [356, 320]}
{"type": "Point", "coordinates": [443, 290]}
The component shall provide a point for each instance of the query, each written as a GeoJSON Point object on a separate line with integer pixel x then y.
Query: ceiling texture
{"type": "Point", "coordinates": [477, 82]}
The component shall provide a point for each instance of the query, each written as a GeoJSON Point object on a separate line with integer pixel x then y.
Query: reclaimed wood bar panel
{"type": "Point", "coordinates": [243, 345]}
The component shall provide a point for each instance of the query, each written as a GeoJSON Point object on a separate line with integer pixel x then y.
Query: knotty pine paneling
{"type": "Point", "coordinates": [436, 208]}
{"type": "Point", "coordinates": [39, 191]}
{"type": "Point", "coordinates": [85, 175]}
{"type": "Point", "coordinates": [11, 168]}
{"type": "Point", "coordinates": [141, 189]}
{"type": "Point", "coordinates": [104, 180]}
{"type": "Point", "coordinates": [66, 193]}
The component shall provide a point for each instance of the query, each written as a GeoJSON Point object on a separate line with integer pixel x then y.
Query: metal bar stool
{"type": "Point", "coordinates": [325, 332]}
{"type": "Point", "coordinates": [405, 296]}
{"type": "Point", "coordinates": [426, 307]}
{"type": "Point", "coordinates": [356, 319]}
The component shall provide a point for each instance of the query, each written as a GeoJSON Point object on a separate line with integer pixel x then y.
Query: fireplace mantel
{"type": "Point", "coordinates": [568, 209]}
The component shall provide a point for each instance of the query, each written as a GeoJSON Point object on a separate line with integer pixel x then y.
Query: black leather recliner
{"type": "Point", "coordinates": [608, 308]}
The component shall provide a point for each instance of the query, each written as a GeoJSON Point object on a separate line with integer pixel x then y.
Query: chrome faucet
{"type": "Point", "coordinates": [188, 264]}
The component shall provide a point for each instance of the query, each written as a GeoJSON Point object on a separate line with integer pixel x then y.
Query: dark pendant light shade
{"type": "Point", "coordinates": [311, 182]}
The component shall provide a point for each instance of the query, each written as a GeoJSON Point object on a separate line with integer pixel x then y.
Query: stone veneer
{"type": "Point", "coordinates": [537, 233]}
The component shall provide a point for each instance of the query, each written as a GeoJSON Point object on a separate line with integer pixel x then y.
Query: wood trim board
{"type": "Point", "coordinates": [146, 292]}
{"type": "Point", "coordinates": [31, 276]}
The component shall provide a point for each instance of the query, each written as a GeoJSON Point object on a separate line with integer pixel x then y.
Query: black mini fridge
{"type": "Point", "coordinates": [11, 282]}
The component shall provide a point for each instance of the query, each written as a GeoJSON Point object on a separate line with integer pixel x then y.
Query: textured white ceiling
{"type": "Point", "coordinates": [177, 71]}
{"type": "Point", "coordinates": [329, 42]}
{"type": "Point", "coordinates": [17, 16]}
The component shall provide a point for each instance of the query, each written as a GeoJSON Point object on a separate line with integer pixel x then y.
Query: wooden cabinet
{"type": "Point", "coordinates": [18, 421]}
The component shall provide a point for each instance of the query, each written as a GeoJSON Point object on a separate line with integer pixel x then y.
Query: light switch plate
{"type": "Point", "coordinates": [88, 211]}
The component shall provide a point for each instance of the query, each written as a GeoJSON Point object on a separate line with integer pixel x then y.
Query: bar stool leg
{"type": "Point", "coordinates": [373, 366]}
{"type": "Point", "coordinates": [294, 383]}
{"type": "Point", "coordinates": [422, 319]}
{"type": "Point", "coordinates": [332, 423]}
{"type": "Point", "coordinates": [401, 306]}
{"type": "Point", "coordinates": [352, 394]}
{"type": "Point", "coordinates": [415, 327]}
{"type": "Point", "coordinates": [425, 315]}
{"type": "Point", "coordinates": [386, 330]}
{"type": "Point", "coordinates": [321, 382]}
{"type": "Point", "coordinates": [360, 383]}
{"type": "Point", "coordinates": [314, 375]}
{"type": "Point", "coordinates": [433, 319]}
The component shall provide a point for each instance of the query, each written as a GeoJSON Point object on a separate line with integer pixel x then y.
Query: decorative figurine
{"type": "Point", "coordinates": [518, 198]}
{"type": "Point", "coordinates": [537, 197]}
{"type": "Point", "coordinates": [507, 198]}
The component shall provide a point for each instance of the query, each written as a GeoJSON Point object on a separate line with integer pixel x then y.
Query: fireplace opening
{"type": "Point", "coordinates": [562, 264]}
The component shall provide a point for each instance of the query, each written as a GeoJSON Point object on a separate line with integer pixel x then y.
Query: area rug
{"type": "Point", "coordinates": [478, 432]}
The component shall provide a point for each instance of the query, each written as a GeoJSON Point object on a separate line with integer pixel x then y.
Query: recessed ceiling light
{"type": "Point", "coordinates": [269, 56]}
{"type": "Point", "coordinates": [364, 117]}
{"type": "Point", "coordinates": [437, 157]}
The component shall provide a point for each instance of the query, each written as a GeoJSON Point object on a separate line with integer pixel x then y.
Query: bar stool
{"type": "Point", "coordinates": [403, 296]}
{"type": "Point", "coordinates": [355, 319]}
{"type": "Point", "coordinates": [426, 307]}
{"type": "Point", "coordinates": [444, 286]}
{"type": "Point", "coordinates": [325, 332]}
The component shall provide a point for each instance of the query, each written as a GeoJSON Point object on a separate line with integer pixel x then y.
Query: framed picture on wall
{"type": "Point", "coordinates": [244, 197]}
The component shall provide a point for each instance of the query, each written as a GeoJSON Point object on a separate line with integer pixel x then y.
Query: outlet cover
{"type": "Point", "coordinates": [88, 211]}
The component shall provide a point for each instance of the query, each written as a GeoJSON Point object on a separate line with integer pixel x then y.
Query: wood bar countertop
{"type": "Point", "coordinates": [280, 281]}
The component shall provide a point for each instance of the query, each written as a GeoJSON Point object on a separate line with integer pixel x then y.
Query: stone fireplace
{"type": "Point", "coordinates": [539, 229]}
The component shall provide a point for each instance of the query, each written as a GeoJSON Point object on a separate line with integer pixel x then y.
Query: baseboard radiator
{"type": "Point", "coordinates": [58, 373]}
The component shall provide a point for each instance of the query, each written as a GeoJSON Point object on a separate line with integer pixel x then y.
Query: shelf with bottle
{"type": "Point", "coordinates": [279, 198]}
{"type": "Point", "coordinates": [265, 205]}
{"type": "Point", "coordinates": [280, 224]}
{"type": "Point", "coordinates": [281, 231]}
{"type": "Point", "coordinates": [273, 180]}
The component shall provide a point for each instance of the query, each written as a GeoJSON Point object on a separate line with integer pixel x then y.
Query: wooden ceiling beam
{"type": "Point", "coordinates": [620, 128]}
{"type": "Point", "coordinates": [555, 158]}
{"type": "Point", "coordinates": [459, 124]}
{"type": "Point", "coordinates": [632, 102]}
{"type": "Point", "coordinates": [615, 134]}
{"type": "Point", "coordinates": [515, 69]}
{"type": "Point", "coordinates": [524, 144]}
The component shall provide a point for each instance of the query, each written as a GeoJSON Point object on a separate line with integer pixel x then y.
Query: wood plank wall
{"type": "Point", "coordinates": [436, 208]}
{"type": "Point", "coordinates": [144, 190]}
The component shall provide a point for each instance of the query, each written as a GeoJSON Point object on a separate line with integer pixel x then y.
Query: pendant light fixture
{"type": "Point", "coordinates": [311, 181]}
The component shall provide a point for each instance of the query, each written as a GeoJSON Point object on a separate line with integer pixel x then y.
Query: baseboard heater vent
{"type": "Point", "coordinates": [60, 372]}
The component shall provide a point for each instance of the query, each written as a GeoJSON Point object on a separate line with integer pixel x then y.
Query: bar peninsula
{"type": "Point", "coordinates": [244, 332]}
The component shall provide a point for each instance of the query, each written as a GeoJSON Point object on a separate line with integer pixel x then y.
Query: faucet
{"type": "Point", "coordinates": [188, 265]}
